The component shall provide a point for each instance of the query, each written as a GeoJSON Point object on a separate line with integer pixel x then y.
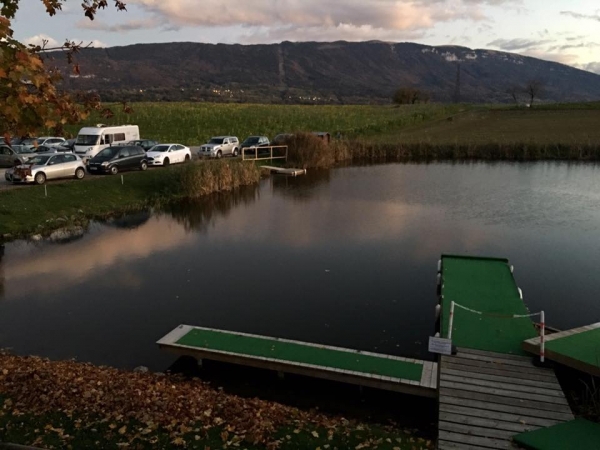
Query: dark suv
{"type": "Point", "coordinates": [114, 159]}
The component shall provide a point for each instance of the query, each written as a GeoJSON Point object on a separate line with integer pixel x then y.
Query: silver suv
{"type": "Point", "coordinates": [220, 146]}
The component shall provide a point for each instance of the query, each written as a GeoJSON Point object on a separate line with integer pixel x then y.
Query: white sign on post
{"type": "Point", "coordinates": [440, 345]}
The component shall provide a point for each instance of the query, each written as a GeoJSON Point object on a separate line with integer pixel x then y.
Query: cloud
{"type": "Point", "coordinates": [131, 25]}
{"type": "Point", "coordinates": [518, 44]}
{"type": "Point", "coordinates": [399, 15]}
{"type": "Point", "coordinates": [577, 15]}
{"type": "Point", "coordinates": [591, 67]}
{"type": "Point", "coordinates": [43, 40]}
{"type": "Point", "coordinates": [573, 46]}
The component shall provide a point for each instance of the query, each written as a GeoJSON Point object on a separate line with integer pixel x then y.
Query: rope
{"type": "Point", "coordinates": [504, 316]}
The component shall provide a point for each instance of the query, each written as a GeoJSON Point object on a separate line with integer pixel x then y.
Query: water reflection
{"type": "Point", "coordinates": [301, 187]}
{"type": "Point", "coordinates": [200, 215]}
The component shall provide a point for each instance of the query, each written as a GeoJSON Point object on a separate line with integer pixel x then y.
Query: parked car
{"type": "Point", "coordinates": [220, 146]}
{"type": "Point", "coordinates": [48, 141]}
{"type": "Point", "coordinates": [146, 144]}
{"type": "Point", "coordinates": [69, 145]}
{"type": "Point", "coordinates": [47, 167]}
{"type": "Point", "coordinates": [281, 139]}
{"type": "Point", "coordinates": [115, 159]}
{"type": "Point", "coordinates": [165, 154]}
{"type": "Point", "coordinates": [11, 155]}
{"type": "Point", "coordinates": [56, 149]}
{"type": "Point", "coordinates": [13, 140]}
{"type": "Point", "coordinates": [253, 142]}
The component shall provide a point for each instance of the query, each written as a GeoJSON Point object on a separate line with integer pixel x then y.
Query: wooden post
{"type": "Point", "coordinates": [542, 334]}
{"type": "Point", "coordinates": [451, 321]}
{"type": "Point", "coordinates": [255, 152]}
{"type": "Point", "coordinates": [271, 148]}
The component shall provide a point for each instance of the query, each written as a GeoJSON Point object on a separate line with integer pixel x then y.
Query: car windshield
{"type": "Point", "coordinates": [160, 148]}
{"type": "Point", "coordinates": [39, 160]}
{"type": "Point", "coordinates": [216, 141]}
{"type": "Point", "coordinates": [87, 139]}
{"type": "Point", "coordinates": [109, 152]}
{"type": "Point", "coordinates": [42, 149]}
{"type": "Point", "coordinates": [251, 140]}
{"type": "Point", "coordinates": [29, 141]}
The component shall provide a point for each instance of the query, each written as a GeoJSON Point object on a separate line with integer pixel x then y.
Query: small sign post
{"type": "Point", "coordinates": [440, 345]}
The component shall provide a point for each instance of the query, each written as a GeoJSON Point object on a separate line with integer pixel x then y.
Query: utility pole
{"type": "Point", "coordinates": [457, 87]}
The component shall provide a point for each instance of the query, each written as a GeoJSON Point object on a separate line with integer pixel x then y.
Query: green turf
{"type": "Point", "coordinates": [484, 284]}
{"type": "Point", "coordinates": [578, 434]}
{"type": "Point", "coordinates": [270, 348]}
{"type": "Point", "coordinates": [581, 346]}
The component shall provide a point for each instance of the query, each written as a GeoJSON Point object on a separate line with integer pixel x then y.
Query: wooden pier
{"type": "Point", "coordinates": [486, 398]}
{"type": "Point", "coordinates": [405, 375]}
{"type": "Point", "coordinates": [490, 390]}
{"type": "Point", "coordinates": [284, 170]}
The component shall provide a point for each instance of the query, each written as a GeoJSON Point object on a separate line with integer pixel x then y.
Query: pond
{"type": "Point", "coordinates": [345, 257]}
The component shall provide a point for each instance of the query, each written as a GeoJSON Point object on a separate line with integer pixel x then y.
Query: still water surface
{"type": "Point", "coordinates": [344, 257]}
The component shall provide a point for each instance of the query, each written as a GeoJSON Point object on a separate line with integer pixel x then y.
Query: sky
{"type": "Point", "coordinates": [565, 31]}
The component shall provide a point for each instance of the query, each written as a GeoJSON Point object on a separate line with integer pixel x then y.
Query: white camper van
{"type": "Point", "coordinates": [91, 140]}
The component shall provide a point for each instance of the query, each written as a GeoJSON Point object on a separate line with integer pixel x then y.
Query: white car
{"type": "Point", "coordinates": [220, 146]}
{"type": "Point", "coordinates": [165, 154]}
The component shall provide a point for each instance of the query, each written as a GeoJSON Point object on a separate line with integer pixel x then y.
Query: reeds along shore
{"type": "Point", "coordinates": [309, 151]}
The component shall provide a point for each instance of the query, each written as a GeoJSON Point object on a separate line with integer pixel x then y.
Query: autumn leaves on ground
{"type": "Point", "coordinates": [66, 404]}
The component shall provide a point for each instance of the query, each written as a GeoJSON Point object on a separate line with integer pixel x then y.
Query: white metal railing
{"type": "Point", "coordinates": [262, 149]}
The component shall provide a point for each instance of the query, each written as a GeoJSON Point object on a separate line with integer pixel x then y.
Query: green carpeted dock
{"type": "Point", "coordinates": [484, 284]}
{"type": "Point", "coordinates": [352, 366]}
{"type": "Point", "coordinates": [490, 390]}
{"type": "Point", "coordinates": [577, 434]}
{"type": "Point", "coordinates": [578, 348]}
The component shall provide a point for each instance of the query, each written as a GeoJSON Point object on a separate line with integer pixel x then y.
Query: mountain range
{"type": "Point", "coordinates": [316, 72]}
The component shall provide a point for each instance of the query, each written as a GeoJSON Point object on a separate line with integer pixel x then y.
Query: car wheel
{"type": "Point", "coordinates": [144, 165]}
{"type": "Point", "coordinates": [166, 162]}
{"type": "Point", "coordinates": [187, 158]}
{"type": "Point", "coordinates": [114, 170]}
{"type": "Point", "coordinates": [40, 178]}
{"type": "Point", "coordinates": [219, 154]}
{"type": "Point", "coordinates": [79, 173]}
{"type": "Point", "coordinates": [235, 152]}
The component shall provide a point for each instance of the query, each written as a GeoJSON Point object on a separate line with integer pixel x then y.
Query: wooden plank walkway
{"type": "Point", "coordinates": [578, 348]}
{"type": "Point", "coordinates": [486, 398]}
{"type": "Point", "coordinates": [393, 373]}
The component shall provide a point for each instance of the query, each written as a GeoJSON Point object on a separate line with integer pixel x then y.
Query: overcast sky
{"type": "Point", "coordinates": [567, 31]}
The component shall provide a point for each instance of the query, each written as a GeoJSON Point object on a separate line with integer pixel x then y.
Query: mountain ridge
{"type": "Point", "coordinates": [319, 72]}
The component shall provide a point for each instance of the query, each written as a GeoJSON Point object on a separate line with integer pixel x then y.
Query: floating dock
{"type": "Point", "coordinates": [409, 376]}
{"type": "Point", "coordinates": [284, 171]}
{"type": "Point", "coordinates": [490, 390]}
{"type": "Point", "coordinates": [578, 348]}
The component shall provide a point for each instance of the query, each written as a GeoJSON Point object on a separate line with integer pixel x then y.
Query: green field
{"type": "Point", "coordinates": [430, 124]}
{"type": "Point", "coordinates": [505, 126]}
{"type": "Point", "coordinates": [195, 123]}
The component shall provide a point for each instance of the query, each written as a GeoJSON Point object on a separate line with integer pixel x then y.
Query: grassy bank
{"type": "Point", "coordinates": [75, 405]}
{"type": "Point", "coordinates": [27, 211]}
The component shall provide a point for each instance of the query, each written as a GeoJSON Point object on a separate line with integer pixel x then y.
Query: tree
{"type": "Point", "coordinates": [410, 96]}
{"type": "Point", "coordinates": [534, 89]}
{"type": "Point", "coordinates": [514, 92]}
{"type": "Point", "coordinates": [29, 93]}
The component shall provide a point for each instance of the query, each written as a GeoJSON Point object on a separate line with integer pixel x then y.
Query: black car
{"type": "Point", "coordinates": [114, 159]}
{"type": "Point", "coordinates": [146, 144]}
{"type": "Point", "coordinates": [253, 142]}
